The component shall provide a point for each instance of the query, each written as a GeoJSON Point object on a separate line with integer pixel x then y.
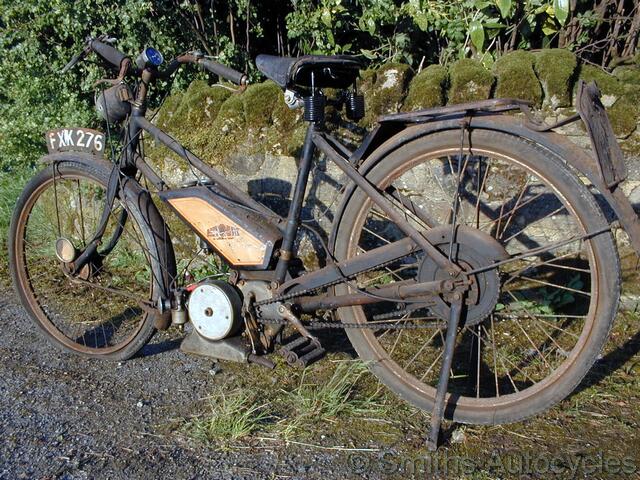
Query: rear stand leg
{"type": "Point", "coordinates": [438, 407]}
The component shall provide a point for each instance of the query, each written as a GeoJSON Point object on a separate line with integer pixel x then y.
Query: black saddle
{"type": "Point", "coordinates": [329, 71]}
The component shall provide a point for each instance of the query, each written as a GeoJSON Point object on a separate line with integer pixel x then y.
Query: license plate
{"type": "Point", "coordinates": [75, 140]}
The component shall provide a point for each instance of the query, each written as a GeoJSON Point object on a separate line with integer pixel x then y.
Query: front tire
{"type": "Point", "coordinates": [98, 313]}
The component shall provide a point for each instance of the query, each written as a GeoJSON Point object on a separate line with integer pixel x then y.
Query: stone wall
{"type": "Point", "coordinates": [255, 139]}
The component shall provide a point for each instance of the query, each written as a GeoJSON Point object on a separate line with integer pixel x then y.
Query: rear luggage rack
{"type": "Point", "coordinates": [609, 157]}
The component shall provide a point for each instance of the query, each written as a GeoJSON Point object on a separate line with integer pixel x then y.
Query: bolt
{"type": "Point", "coordinates": [274, 285]}
{"type": "Point", "coordinates": [457, 296]}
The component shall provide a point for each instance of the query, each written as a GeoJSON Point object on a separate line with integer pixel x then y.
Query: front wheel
{"type": "Point", "coordinates": [532, 327]}
{"type": "Point", "coordinates": [102, 311]}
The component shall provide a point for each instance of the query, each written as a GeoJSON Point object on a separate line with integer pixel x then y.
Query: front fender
{"type": "Point", "coordinates": [144, 203]}
{"type": "Point", "coordinates": [560, 146]}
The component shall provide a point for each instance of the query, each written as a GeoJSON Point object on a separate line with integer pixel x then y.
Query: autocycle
{"type": "Point", "coordinates": [468, 261]}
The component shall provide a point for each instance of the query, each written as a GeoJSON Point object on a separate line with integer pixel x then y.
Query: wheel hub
{"type": "Point", "coordinates": [471, 249]}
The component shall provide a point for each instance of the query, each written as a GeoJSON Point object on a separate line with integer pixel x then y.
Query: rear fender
{"type": "Point", "coordinates": [560, 146]}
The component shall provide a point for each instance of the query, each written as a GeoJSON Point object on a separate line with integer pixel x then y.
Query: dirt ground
{"type": "Point", "coordinates": [62, 416]}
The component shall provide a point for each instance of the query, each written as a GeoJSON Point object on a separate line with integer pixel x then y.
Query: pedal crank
{"type": "Point", "coordinates": [304, 350]}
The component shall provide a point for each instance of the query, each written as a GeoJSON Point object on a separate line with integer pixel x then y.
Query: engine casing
{"type": "Point", "coordinates": [215, 310]}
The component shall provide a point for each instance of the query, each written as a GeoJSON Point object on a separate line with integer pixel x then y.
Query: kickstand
{"type": "Point", "coordinates": [438, 407]}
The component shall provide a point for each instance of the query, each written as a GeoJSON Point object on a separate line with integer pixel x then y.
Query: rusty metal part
{"type": "Point", "coordinates": [609, 156]}
{"type": "Point", "coordinates": [286, 313]}
{"type": "Point", "coordinates": [398, 290]}
{"type": "Point", "coordinates": [391, 138]}
{"type": "Point", "coordinates": [261, 360]}
{"type": "Point", "coordinates": [322, 325]}
{"type": "Point", "coordinates": [381, 201]}
{"type": "Point", "coordinates": [361, 263]}
{"type": "Point", "coordinates": [252, 291]}
{"type": "Point", "coordinates": [473, 249]}
{"type": "Point", "coordinates": [302, 351]}
{"type": "Point", "coordinates": [437, 414]}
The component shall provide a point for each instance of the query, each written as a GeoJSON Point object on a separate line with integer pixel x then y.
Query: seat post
{"type": "Point", "coordinates": [293, 218]}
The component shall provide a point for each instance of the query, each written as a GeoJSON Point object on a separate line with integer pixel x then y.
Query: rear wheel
{"type": "Point", "coordinates": [532, 327]}
{"type": "Point", "coordinates": [103, 311]}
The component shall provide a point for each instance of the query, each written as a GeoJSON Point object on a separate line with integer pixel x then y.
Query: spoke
{"type": "Point", "coordinates": [503, 358]}
{"type": "Point", "coordinates": [433, 363]}
{"type": "Point", "coordinates": [499, 219]}
{"type": "Point", "coordinates": [480, 190]}
{"type": "Point", "coordinates": [479, 346]}
{"type": "Point", "coordinates": [393, 349]}
{"type": "Point", "coordinates": [390, 330]}
{"type": "Point", "coordinates": [513, 210]}
{"type": "Point", "coordinates": [84, 240]}
{"type": "Point", "coordinates": [376, 235]}
{"type": "Point", "coordinates": [412, 359]}
{"type": "Point", "coordinates": [495, 361]}
{"type": "Point", "coordinates": [515, 274]}
{"type": "Point", "coordinates": [557, 210]}
{"type": "Point", "coordinates": [549, 284]}
{"type": "Point", "coordinates": [538, 250]}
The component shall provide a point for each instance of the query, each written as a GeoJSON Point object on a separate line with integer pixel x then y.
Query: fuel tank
{"type": "Point", "coordinates": [239, 234]}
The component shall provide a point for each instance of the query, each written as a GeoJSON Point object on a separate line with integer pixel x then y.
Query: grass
{"type": "Point", "coordinates": [11, 184]}
{"type": "Point", "coordinates": [292, 414]}
{"type": "Point", "coordinates": [336, 405]}
{"type": "Point", "coordinates": [340, 397]}
{"type": "Point", "coordinates": [231, 416]}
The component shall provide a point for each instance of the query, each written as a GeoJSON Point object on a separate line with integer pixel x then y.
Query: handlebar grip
{"type": "Point", "coordinates": [223, 71]}
{"type": "Point", "coordinates": [109, 53]}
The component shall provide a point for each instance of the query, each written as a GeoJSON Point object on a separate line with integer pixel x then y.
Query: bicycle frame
{"type": "Point", "coordinates": [336, 152]}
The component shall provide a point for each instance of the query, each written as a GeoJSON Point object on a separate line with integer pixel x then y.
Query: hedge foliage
{"type": "Point", "coordinates": [38, 37]}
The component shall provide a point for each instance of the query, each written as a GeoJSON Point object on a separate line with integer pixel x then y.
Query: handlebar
{"type": "Point", "coordinates": [223, 71]}
{"type": "Point", "coordinates": [106, 51]}
{"type": "Point", "coordinates": [116, 58]}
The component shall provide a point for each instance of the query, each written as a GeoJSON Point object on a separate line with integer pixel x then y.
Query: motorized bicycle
{"type": "Point", "coordinates": [468, 261]}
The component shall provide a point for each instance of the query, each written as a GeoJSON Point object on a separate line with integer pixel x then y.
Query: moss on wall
{"type": "Point", "coordinates": [608, 84]}
{"type": "Point", "coordinates": [555, 68]}
{"type": "Point", "coordinates": [516, 78]}
{"type": "Point", "coordinates": [624, 117]}
{"type": "Point", "coordinates": [427, 89]}
{"type": "Point", "coordinates": [470, 81]}
{"type": "Point", "coordinates": [387, 91]}
{"type": "Point", "coordinates": [167, 111]}
{"type": "Point", "coordinates": [620, 98]}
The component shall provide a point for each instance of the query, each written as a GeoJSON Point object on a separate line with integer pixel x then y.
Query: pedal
{"type": "Point", "coordinates": [302, 351]}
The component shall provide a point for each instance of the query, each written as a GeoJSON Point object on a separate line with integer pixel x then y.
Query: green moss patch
{"type": "Point", "coordinates": [628, 75]}
{"type": "Point", "coordinates": [200, 105]}
{"type": "Point", "coordinates": [470, 81]}
{"type": "Point", "coordinates": [608, 84]}
{"type": "Point", "coordinates": [555, 68]}
{"type": "Point", "coordinates": [624, 116]}
{"type": "Point", "coordinates": [167, 111]}
{"type": "Point", "coordinates": [516, 78]}
{"type": "Point", "coordinates": [620, 98]}
{"type": "Point", "coordinates": [427, 89]}
{"type": "Point", "coordinates": [387, 91]}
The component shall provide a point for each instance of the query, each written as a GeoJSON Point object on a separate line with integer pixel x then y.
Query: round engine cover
{"type": "Point", "coordinates": [215, 310]}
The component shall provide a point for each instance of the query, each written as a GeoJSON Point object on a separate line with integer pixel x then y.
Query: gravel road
{"type": "Point", "coordinates": [62, 416]}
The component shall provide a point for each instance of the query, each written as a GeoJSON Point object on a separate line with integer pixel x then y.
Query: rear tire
{"type": "Point", "coordinates": [600, 255]}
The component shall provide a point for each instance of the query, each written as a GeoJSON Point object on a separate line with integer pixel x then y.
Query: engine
{"type": "Point", "coordinates": [215, 310]}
